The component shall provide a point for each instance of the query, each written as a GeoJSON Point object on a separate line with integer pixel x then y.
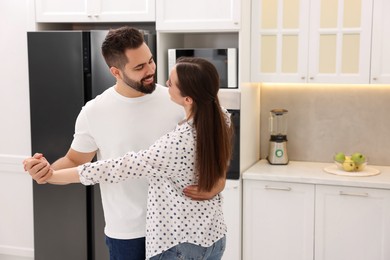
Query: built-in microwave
{"type": "Point", "coordinates": [225, 60]}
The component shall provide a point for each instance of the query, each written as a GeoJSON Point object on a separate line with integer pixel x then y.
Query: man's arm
{"type": "Point", "coordinates": [193, 192]}
{"type": "Point", "coordinates": [72, 158]}
{"type": "Point", "coordinates": [40, 169]}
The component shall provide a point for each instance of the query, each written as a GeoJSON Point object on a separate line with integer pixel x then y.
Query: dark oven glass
{"type": "Point", "coordinates": [234, 169]}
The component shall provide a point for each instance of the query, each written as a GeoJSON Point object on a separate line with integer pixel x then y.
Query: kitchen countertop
{"type": "Point", "coordinates": [313, 173]}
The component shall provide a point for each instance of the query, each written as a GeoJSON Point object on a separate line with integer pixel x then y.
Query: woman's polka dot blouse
{"type": "Point", "coordinates": [172, 218]}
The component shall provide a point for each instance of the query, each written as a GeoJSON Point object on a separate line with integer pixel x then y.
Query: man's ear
{"type": "Point", "coordinates": [115, 72]}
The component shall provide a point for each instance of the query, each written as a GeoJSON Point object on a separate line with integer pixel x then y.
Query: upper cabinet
{"type": "Point", "coordinates": [200, 15]}
{"type": "Point", "coordinates": [73, 11]}
{"type": "Point", "coordinates": [198, 24]}
{"type": "Point", "coordinates": [316, 41]}
{"type": "Point", "coordinates": [380, 62]}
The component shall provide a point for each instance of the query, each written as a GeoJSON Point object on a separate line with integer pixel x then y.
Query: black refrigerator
{"type": "Point", "coordinates": [66, 69]}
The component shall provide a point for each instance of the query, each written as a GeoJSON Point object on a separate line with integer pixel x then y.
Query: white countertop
{"type": "Point", "coordinates": [313, 172]}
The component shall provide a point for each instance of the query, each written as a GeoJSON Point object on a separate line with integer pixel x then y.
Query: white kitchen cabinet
{"type": "Point", "coordinates": [74, 11]}
{"type": "Point", "coordinates": [315, 41]}
{"type": "Point", "coordinates": [200, 15]}
{"type": "Point", "coordinates": [348, 216]}
{"type": "Point", "coordinates": [284, 220]}
{"type": "Point", "coordinates": [232, 214]}
{"type": "Point", "coordinates": [278, 220]}
{"type": "Point", "coordinates": [380, 61]}
{"type": "Point", "coordinates": [352, 223]}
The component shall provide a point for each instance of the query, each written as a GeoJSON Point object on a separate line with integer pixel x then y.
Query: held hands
{"type": "Point", "coordinates": [38, 168]}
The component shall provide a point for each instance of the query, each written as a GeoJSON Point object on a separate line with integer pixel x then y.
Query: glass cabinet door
{"type": "Point", "coordinates": [340, 39]}
{"type": "Point", "coordinates": [318, 41]}
{"type": "Point", "coordinates": [279, 40]}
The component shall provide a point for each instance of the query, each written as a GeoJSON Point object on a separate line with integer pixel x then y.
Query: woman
{"type": "Point", "coordinates": [196, 152]}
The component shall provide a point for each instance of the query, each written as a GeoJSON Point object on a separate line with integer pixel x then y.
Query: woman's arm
{"type": "Point", "coordinates": [194, 193]}
{"type": "Point", "coordinates": [65, 176]}
{"type": "Point", "coordinates": [163, 158]}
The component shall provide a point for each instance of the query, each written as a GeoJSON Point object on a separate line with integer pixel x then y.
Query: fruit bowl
{"type": "Point", "coordinates": [352, 167]}
{"type": "Point", "coordinates": [350, 163]}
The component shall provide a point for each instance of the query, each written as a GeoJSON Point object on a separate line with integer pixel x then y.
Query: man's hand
{"type": "Point", "coordinates": [38, 168]}
{"type": "Point", "coordinates": [193, 192]}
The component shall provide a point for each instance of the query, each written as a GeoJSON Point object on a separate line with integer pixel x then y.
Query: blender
{"type": "Point", "coordinates": [278, 141]}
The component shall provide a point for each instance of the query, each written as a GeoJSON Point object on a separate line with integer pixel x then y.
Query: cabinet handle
{"type": "Point", "coordinates": [277, 188]}
{"type": "Point", "coordinates": [303, 77]}
{"type": "Point", "coordinates": [363, 194]}
{"type": "Point", "coordinates": [311, 78]}
{"type": "Point", "coordinates": [374, 78]}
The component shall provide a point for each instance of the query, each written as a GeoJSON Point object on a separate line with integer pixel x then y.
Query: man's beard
{"type": "Point", "coordinates": [139, 85]}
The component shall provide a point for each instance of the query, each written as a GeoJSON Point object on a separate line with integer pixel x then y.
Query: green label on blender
{"type": "Point", "coordinates": [279, 153]}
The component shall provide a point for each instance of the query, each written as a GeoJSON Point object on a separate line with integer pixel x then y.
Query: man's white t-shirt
{"type": "Point", "coordinates": [113, 125]}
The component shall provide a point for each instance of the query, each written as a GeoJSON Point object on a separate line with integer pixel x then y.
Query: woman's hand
{"type": "Point", "coordinates": [193, 192]}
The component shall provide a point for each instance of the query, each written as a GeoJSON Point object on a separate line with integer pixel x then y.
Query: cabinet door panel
{"type": "Point", "coordinates": [380, 61]}
{"type": "Point", "coordinates": [340, 40]}
{"type": "Point", "coordinates": [279, 40]}
{"type": "Point", "coordinates": [232, 214]}
{"type": "Point", "coordinates": [62, 11]}
{"type": "Point", "coordinates": [352, 223]}
{"type": "Point", "coordinates": [278, 220]}
{"type": "Point", "coordinates": [75, 11]}
{"type": "Point", "coordinates": [200, 15]}
{"type": "Point", "coordinates": [127, 10]}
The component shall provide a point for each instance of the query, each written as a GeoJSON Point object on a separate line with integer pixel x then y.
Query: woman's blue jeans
{"type": "Point", "coordinates": [188, 251]}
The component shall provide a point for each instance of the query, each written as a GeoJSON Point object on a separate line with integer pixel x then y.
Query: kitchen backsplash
{"type": "Point", "coordinates": [325, 119]}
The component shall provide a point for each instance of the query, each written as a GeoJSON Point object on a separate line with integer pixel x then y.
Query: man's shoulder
{"type": "Point", "coordinates": [161, 94]}
{"type": "Point", "coordinates": [108, 93]}
{"type": "Point", "coordinates": [161, 90]}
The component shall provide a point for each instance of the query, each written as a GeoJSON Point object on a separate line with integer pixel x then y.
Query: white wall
{"type": "Point", "coordinates": [16, 215]}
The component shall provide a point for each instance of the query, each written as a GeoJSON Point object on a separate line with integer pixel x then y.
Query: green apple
{"type": "Point", "coordinates": [358, 158]}
{"type": "Point", "coordinates": [339, 157]}
{"type": "Point", "coordinates": [348, 165]}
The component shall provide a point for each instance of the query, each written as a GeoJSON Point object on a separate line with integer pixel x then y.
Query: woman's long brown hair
{"type": "Point", "coordinates": [199, 79]}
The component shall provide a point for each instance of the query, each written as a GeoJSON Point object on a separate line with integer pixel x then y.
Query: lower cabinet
{"type": "Point", "coordinates": [298, 221]}
{"type": "Point", "coordinates": [278, 220]}
{"type": "Point", "coordinates": [232, 214]}
{"type": "Point", "coordinates": [352, 223]}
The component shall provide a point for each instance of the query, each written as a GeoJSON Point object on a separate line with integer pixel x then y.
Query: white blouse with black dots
{"type": "Point", "coordinates": [172, 218]}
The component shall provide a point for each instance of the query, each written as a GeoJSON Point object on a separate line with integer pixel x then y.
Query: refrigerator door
{"type": "Point", "coordinates": [56, 97]}
{"type": "Point", "coordinates": [101, 77]}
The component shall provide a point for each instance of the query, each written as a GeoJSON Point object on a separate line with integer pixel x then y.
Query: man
{"type": "Point", "coordinates": [129, 116]}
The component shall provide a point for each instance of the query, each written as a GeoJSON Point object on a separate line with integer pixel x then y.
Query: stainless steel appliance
{"type": "Point", "coordinates": [278, 141]}
{"type": "Point", "coordinates": [66, 69]}
{"type": "Point", "coordinates": [225, 60]}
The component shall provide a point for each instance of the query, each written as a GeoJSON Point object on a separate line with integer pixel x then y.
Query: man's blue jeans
{"type": "Point", "coordinates": [126, 249]}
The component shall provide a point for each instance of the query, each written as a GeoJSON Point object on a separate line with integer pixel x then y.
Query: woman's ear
{"type": "Point", "coordinates": [188, 100]}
